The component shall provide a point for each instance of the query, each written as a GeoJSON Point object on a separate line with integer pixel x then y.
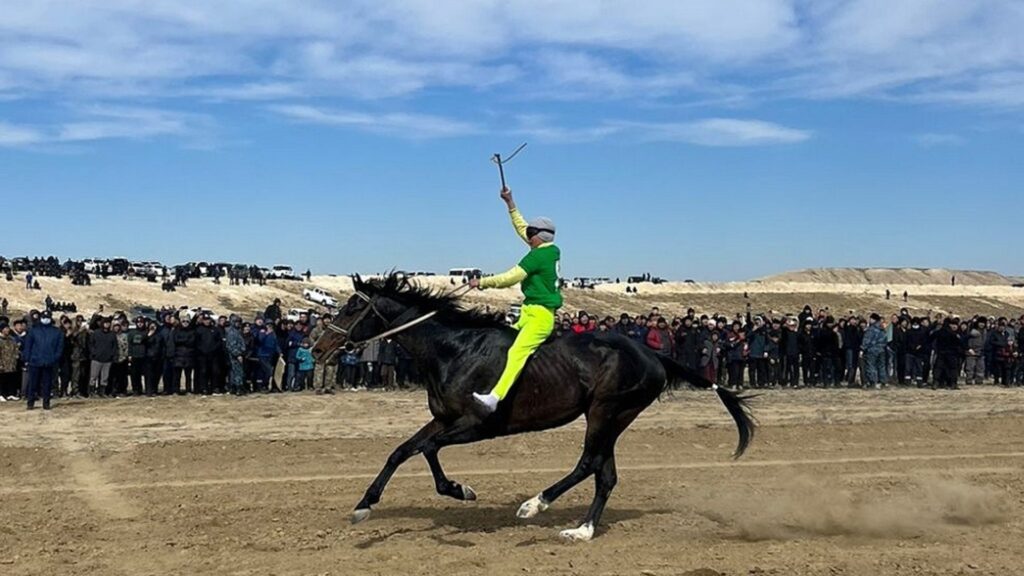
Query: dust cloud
{"type": "Point", "coordinates": [806, 507]}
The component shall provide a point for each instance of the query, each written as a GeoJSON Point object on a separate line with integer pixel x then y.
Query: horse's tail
{"type": "Point", "coordinates": [736, 405]}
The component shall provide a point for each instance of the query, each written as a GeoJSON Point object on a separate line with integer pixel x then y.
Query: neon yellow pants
{"type": "Point", "coordinates": [535, 325]}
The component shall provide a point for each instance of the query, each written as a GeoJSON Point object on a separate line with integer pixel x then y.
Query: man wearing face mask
{"type": "Point", "coordinates": [537, 272]}
{"type": "Point", "coordinates": [42, 352]}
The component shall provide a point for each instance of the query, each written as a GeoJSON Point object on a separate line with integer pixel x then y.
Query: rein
{"type": "Point", "coordinates": [457, 293]}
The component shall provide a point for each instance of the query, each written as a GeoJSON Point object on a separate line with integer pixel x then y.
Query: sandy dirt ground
{"type": "Point", "coordinates": [837, 482]}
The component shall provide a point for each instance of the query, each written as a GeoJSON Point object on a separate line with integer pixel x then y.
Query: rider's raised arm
{"type": "Point", "coordinates": [518, 222]}
{"type": "Point", "coordinates": [510, 277]}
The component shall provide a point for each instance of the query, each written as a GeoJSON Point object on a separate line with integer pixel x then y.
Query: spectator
{"type": "Point", "coordinates": [10, 351]}
{"type": "Point", "coordinates": [119, 369]}
{"type": "Point", "coordinates": [790, 353]}
{"type": "Point", "coordinates": [948, 350]}
{"type": "Point", "coordinates": [182, 354]}
{"type": "Point", "coordinates": [348, 362]}
{"type": "Point", "coordinates": [102, 353]}
{"type": "Point", "coordinates": [272, 314]}
{"type": "Point", "coordinates": [42, 351]}
{"type": "Point", "coordinates": [137, 340]}
{"type": "Point", "coordinates": [827, 347]}
{"type": "Point", "coordinates": [757, 339]}
{"type": "Point", "coordinates": [873, 345]}
{"type": "Point", "coordinates": [1002, 353]}
{"type": "Point", "coordinates": [234, 345]}
{"type": "Point", "coordinates": [736, 352]}
{"type": "Point", "coordinates": [660, 338]}
{"type": "Point", "coordinates": [268, 350]}
{"type": "Point", "coordinates": [80, 358]}
{"type": "Point", "coordinates": [974, 364]}
{"type": "Point", "coordinates": [808, 353]}
{"type": "Point", "coordinates": [305, 364]}
{"type": "Point", "coordinates": [209, 347]}
{"type": "Point", "coordinates": [852, 337]}
{"type": "Point", "coordinates": [368, 362]}
{"type": "Point", "coordinates": [388, 358]}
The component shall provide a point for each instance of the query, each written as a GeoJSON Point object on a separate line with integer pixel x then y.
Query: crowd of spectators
{"type": "Point", "coordinates": [819, 349]}
{"type": "Point", "coordinates": [182, 351]}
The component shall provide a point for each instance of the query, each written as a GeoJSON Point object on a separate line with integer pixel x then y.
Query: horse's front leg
{"type": "Point", "coordinates": [405, 451]}
{"type": "Point", "coordinates": [446, 487]}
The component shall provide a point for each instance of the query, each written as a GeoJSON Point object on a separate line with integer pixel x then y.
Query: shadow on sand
{"type": "Point", "coordinates": [448, 524]}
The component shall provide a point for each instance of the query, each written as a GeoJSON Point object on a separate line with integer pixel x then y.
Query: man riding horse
{"type": "Point", "coordinates": [537, 272]}
{"type": "Point", "coordinates": [607, 378]}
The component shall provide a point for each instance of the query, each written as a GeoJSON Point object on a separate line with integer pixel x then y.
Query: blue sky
{"type": "Point", "coordinates": [714, 140]}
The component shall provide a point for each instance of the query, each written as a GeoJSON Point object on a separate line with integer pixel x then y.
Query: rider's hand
{"type": "Point", "coordinates": [474, 282]}
{"type": "Point", "coordinates": [506, 195]}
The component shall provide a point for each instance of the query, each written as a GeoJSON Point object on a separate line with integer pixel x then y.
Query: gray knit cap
{"type": "Point", "coordinates": [544, 224]}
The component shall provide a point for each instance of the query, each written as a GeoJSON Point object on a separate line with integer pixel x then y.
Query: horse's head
{"type": "Point", "coordinates": [371, 311]}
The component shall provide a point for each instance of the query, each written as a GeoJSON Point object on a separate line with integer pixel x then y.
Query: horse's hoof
{"type": "Point", "coordinates": [360, 514]}
{"type": "Point", "coordinates": [468, 494]}
{"type": "Point", "coordinates": [532, 507]}
{"type": "Point", "coordinates": [582, 534]}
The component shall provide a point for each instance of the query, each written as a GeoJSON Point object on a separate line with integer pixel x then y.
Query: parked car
{"type": "Point", "coordinates": [293, 314]}
{"type": "Point", "coordinates": [320, 296]}
{"type": "Point", "coordinates": [282, 273]}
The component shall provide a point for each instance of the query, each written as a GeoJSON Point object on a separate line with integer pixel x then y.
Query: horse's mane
{"type": "Point", "coordinates": [399, 288]}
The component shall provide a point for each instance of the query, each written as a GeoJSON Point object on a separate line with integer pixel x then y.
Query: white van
{"type": "Point", "coordinates": [465, 272]}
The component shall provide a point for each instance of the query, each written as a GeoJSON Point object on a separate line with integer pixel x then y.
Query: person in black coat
{"type": "Point", "coordinates": [181, 353]}
{"type": "Point", "coordinates": [209, 348]}
{"type": "Point", "coordinates": [808, 356]}
{"type": "Point", "coordinates": [899, 349]}
{"type": "Point", "coordinates": [949, 348]}
{"type": "Point", "coordinates": [789, 349]}
{"type": "Point", "coordinates": [154, 358]}
{"type": "Point", "coordinates": [826, 346]}
{"type": "Point", "coordinates": [918, 352]}
{"type": "Point", "coordinates": [273, 312]}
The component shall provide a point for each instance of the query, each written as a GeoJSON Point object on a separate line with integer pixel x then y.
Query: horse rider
{"type": "Point", "coordinates": [537, 273]}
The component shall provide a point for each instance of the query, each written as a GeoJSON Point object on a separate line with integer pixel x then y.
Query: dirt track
{"type": "Point", "coordinates": [849, 482]}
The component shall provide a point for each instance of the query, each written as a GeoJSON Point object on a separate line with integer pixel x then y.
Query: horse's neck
{"type": "Point", "coordinates": [424, 344]}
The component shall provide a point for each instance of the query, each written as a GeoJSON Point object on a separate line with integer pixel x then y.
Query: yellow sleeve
{"type": "Point", "coordinates": [519, 223]}
{"type": "Point", "coordinates": [510, 277]}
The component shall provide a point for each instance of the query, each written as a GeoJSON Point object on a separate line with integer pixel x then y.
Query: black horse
{"type": "Point", "coordinates": [607, 378]}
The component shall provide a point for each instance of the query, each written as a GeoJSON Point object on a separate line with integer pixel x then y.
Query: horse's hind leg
{"type": "Point", "coordinates": [541, 502]}
{"type": "Point", "coordinates": [405, 451]}
{"type": "Point", "coordinates": [604, 480]}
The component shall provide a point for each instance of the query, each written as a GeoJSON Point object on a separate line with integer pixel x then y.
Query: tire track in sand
{"type": "Point", "coordinates": [88, 479]}
{"type": "Point", "coordinates": [103, 495]}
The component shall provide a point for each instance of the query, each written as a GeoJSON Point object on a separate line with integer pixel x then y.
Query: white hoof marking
{"type": "Point", "coordinates": [360, 515]}
{"type": "Point", "coordinates": [468, 494]}
{"type": "Point", "coordinates": [582, 534]}
{"type": "Point", "coordinates": [532, 507]}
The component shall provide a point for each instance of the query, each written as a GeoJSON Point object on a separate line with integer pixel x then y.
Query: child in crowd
{"type": "Point", "coordinates": [304, 358]}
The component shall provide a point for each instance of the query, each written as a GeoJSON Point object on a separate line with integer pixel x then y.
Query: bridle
{"type": "Point", "coordinates": [390, 331]}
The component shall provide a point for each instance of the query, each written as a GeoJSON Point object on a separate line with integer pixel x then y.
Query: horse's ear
{"type": "Point", "coordinates": [357, 282]}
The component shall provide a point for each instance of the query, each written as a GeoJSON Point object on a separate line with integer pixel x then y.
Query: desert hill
{"type": "Point", "coordinates": [839, 289]}
{"type": "Point", "coordinates": [900, 276]}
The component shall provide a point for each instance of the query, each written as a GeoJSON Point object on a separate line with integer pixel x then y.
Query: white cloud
{"type": "Point", "coordinates": [109, 122]}
{"type": "Point", "coordinates": [489, 53]}
{"type": "Point", "coordinates": [12, 135]}
{"type": "Point", "coordinates": [932, 139]}
{"type": "Point", "coordinates": [128, 123]}
{"type": "Point", "coordinates": [722, 132]}
{"type": "Point", "coordinates": [396, 124]}
{"type": "Point", "coordinates": [703, 132]}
